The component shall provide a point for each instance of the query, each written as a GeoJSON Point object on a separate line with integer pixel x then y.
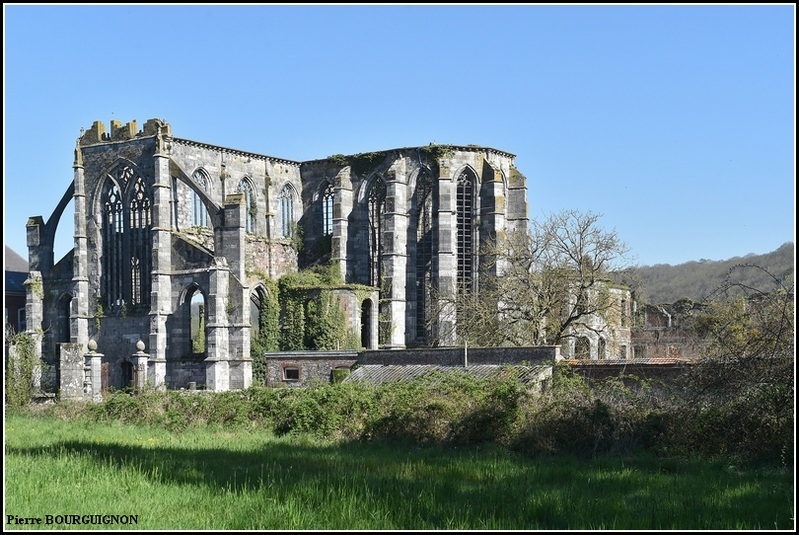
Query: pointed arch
{"type": "Point", "coordinates": [328, 197]}
{"type": "Point", "coordinates": [199, 213]}
{"type": "Point", "coordinates": [195, 299]}
{"type": "Point", "coordinates": [466, 212]}
{"type": "Point", "coordinates": [376, 203]}
{"type": "Point", "coordinates": [126, 208]}
{"type": "Point", "coordinates": [286, 197]}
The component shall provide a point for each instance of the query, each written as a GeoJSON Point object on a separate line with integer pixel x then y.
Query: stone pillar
{"type": "Point", "coordinates": [156, 372]}
{"type": "Point", "coordinates": [342, 208]}
{"type": "Point", "coordinates": [75, 378]}
{"type": "Point", "coordinates": [34, 309]}
{"type": "Point", "coordinates": [93, 362]}
{"type": "Point", "coordinates": [161, 292]}
{"type": "Point", "coordinates": [79, 308]}
{"type": "Point", "coordinates": [217, 366]}
{"type": "Point", "coordinates": [141, 359]}
{"type": "Point", "coordinates": [445, 263]}
{"type": "Point", "coordinates": [395, 254]}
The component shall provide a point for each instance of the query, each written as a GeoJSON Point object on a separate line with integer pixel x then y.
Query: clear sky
{"type": "Point", "coordinates": [675, 123]}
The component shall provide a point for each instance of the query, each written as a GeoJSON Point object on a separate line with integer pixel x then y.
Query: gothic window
{"type": "Point", "coordinates": [327, 210]}
{"type": "Point", "coordinates": [582, 348]}
{"type": "Point", "coordinates": [249, 202]}
{"type": "Point", "coordinates": [465, 222]}
{"type": "Point", "coordinates": [376, 205]}
{"type": "Point", "coordinates": [197, 323]}
{"type": "Point", "coordinates": [127, 239]}
{"type": "Point", "coordinates": [199, 214]}
{"type": "Point", "coordinates": [424, 253]}
{"type": "Point", "coordinates": [286, 212]}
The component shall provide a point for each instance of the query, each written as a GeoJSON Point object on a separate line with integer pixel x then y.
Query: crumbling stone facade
{"type": "Point", "coordinates": [175, 240]}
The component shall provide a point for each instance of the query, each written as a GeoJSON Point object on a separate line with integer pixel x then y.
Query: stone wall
{"type": "Point", "coordinates": [309, 366]}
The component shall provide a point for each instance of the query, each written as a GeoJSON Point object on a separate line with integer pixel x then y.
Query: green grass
{"type": "Point", "coordinates": [224, 479]}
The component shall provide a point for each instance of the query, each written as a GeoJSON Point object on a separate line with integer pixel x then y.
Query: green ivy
{"type": "Point", "coordinates": [19, 370]}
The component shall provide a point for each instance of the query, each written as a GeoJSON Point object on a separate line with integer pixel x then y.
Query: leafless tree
{"type": "Point", "coordinates": [536, 287]}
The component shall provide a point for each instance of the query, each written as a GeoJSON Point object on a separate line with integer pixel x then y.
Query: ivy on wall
{"type": "Point", "coordinates": [313, 317]}
{"type": "Point", "coordinates": [267, 335]}
{"type": "Point", "coordinates": [19, 370]}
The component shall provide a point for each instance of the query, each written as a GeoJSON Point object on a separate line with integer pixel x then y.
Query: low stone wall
{"type": "Point", "coordinates": [298, 368]}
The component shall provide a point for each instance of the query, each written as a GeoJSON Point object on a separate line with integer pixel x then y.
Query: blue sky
{"type": "Point", "coordinates": [675, 123]}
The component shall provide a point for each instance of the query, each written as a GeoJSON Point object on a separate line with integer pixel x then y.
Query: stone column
{"type": "Point", "coordinates": [141, 359]}
{"type": "Point", "coordinates": [445, 263]}
{"type": "Point", "coordinates": [161, 292]}
{"type": "Point", "coordinates": [92, 386]}
{"type": "Point", "coordinates": [395, 254]}
{"type": "Point", "coordinates": [79, 308]}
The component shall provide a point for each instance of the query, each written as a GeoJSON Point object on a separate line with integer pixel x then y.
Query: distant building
{"type": "Point", "coordinates": [16, 269]}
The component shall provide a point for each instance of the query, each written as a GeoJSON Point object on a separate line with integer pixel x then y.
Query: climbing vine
{"type": "Point", "coordinates": [432, 153]}
{"type": "Point", "coordinates": [267, 335]}
{"type": "Point", "coordinates": [313, 316]}
{"type": "Point", "coordinates": [20, 369]}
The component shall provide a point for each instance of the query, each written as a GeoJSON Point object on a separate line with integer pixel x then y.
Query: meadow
{"type": "Point", "coordinates": [244, 477]}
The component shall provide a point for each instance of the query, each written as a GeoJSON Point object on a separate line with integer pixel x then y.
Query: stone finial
{"type": "Point", "coordinates": [78, 153]}
{"type": "Point", "coordinates": [92, 345]}
{"type": "Point", "coordinates": [140, 346]}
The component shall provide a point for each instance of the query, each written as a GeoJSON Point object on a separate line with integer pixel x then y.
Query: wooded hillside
{"type": "Point", "coordinates": [696, 280]}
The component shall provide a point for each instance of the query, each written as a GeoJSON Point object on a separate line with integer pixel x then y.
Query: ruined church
{"type": "Point", "coordinates": [175, 241]}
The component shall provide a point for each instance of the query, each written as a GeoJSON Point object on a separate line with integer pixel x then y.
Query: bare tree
{"type": "Point", "coordinates": [537, 287]}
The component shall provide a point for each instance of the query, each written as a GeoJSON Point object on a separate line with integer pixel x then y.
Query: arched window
{"type": "Point", "coordinates": [465, 222]}
{"type": "Point", "coordinates": [582, 348]}
{"type": "Point", "coordinates": [424, 253]}
{"type": "Point", "coordinates": [197, 327]}
{"type": "Point", "coordinates": [199, 214]}
{"type": "Point", "coordinates": [376, 205]}
{"type": "Point", "coordinates": [286, 211]}
{"type": "Point", "coordinates": [127, 239]}
{"type": "Point", "coordinates": [249, 201]}
{"type": "Point", "coordinates": [327, 210]}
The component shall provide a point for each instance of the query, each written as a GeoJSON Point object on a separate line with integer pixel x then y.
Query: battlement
{"type": "Point", "coordinates": [119, 132]}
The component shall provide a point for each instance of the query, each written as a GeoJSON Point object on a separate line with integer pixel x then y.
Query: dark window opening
{"type": "Point", "coordinates": [327, 211]}
{"type": "Point", "coordinates": [127, 240]}
{"type": "Point", "coordinates": [424, 255]}
{"type": "Point", "coordinates": [465, 238]}
{"type": "Point", "coordinates": [291, 374]}
{"type": "Point", "coordinates": [377, 201]}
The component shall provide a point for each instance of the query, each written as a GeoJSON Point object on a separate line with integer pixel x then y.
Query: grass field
{"type": "Point", "coordinates": [219, 479]}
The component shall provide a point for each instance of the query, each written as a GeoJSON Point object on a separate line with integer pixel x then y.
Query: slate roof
{"type": "Point", "coordinates": [16, 269]}
{"type": "Point", "coordinates": [14, 262]}
{"type": "Point", "coordinates": [654, 361]}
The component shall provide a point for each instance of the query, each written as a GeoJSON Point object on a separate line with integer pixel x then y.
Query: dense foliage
{"type": "Point", "coordinates": [568, 417]}
{"type": "Point", "coordinates": [696, 280]}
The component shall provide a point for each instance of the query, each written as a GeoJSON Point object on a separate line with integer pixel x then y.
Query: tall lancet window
{"type": "Point", "coordinates": [328, 197]}
{"type": "Point", "coordinates": [465, 239]}
{"type": "Point", "coordinates": [249, 202]}
{"type": "Point", "coordinates": [376, 205]}
{"type": "Point", "coordinates": [127, 239]}
{"type": "Point", "coordinates": [199, 214]}
{"type": "Point", "coordinates": [286, 211]}
{"type": "Point", "coordinates": [424, 253]}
